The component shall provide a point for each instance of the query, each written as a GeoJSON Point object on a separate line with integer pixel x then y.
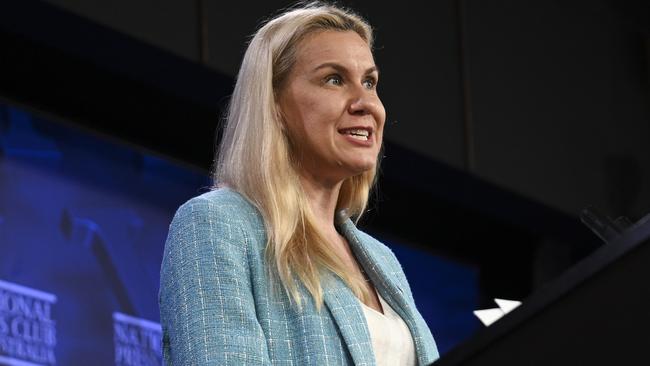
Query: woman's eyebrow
{"type": "Point", "coordinates": [340, 68]}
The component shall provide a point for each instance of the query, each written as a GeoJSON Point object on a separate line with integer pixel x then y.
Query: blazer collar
{"type": "Point", "coordinates": [375, 267]}
{"type": "Point", "coordinates": [349, 317]}
{"type": "Point", "coordinates": [346, 308]}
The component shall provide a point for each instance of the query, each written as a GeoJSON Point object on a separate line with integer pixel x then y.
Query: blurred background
{"type": "Point", "coordinates": [505, 119]}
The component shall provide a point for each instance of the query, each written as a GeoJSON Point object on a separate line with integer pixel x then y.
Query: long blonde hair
{"type": "Point", "coordinates": [255, 154]}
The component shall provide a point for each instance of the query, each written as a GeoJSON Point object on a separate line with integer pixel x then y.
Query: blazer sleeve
{"type": "Point", "coordinates": [207, 310]}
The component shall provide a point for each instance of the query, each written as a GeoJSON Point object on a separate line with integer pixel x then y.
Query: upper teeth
{"type": "Point", "coordinates": [358, 132]}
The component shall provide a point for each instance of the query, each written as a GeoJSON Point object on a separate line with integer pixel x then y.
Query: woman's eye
{"type": "Point", "coordinates": [369, 83]}
{"type": "Point", "coordinates": [333, 80]}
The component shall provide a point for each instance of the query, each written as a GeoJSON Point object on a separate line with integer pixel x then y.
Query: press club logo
{"type": "Point", "coordinates": [27, 331]}
{"type": "Point", "coordinates": [137, 341]}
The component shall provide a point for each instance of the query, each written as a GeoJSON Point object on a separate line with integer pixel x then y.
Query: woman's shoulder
{"type": "Point", "coordinates": [226, 198]}
{"type": "Point", "coordinates": [221, 205]}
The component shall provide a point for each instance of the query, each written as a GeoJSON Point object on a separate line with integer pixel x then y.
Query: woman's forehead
{"type": "Point", "coordinates": [345, 48]}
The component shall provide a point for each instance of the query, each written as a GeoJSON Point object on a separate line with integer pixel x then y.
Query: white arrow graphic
{"type": "Point", "coordinates": [489, 316]}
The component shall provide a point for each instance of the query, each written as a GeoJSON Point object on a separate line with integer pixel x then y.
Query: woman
{"type": "Point", "coordinates": [268, 267]}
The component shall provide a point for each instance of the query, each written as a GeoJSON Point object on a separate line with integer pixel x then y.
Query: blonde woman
{"type": "Point", "coordinates": [268, 268]}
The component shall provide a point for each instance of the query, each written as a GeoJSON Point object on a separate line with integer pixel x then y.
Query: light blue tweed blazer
{"type": "Point", "coordinates": [219, 307]}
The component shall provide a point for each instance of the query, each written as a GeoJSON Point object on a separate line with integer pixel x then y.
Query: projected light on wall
{"type": "Point", "coordinates": [83, 221]}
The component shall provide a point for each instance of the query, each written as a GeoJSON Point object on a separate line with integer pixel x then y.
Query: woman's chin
{"type": "Point", "coordinates": [361, 167]}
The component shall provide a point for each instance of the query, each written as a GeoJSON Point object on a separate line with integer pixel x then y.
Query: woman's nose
{"type": "Point", "coordinates": [358, 106]}
{"type": "Point", "coordinates": [362, 102]}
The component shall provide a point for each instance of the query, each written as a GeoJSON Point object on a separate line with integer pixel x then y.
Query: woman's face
{"type": "Point", "coordinates": [331, 108]}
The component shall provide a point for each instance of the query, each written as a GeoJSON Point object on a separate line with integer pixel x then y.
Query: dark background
{"type": "Point", "coordinates": [545, 98]}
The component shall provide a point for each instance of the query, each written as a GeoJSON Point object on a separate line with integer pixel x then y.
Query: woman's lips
{"type": "Point", "coordinates": [358, 139]}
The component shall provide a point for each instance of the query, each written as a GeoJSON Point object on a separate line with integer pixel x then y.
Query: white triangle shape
{"type": "Point", "coordinates": [507, 305]}
{"type": "Point", "coordinates": [489, 316]}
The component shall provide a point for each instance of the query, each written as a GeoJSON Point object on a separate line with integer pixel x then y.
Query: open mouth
{"type": "Point", "coordinates": [361, 134]}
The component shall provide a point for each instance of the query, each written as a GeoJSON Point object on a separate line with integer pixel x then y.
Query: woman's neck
{"type": "Point", "coordinates": [322, 199]}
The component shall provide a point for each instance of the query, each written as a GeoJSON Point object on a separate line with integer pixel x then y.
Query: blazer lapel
{"type": "Point", "coordinates": [348, 316]}
{"type": "Point", "coordinates": [376, 267]}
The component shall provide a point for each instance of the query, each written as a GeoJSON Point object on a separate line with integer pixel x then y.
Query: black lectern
{"type": "Point", "coordinates": [597, 313]}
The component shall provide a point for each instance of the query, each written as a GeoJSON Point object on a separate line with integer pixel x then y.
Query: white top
{"type": "Point", "coordinates": [391, 338]}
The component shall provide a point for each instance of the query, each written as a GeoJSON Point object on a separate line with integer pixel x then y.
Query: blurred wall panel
{"type": "Point", "coordinates": [560, 103]}
{"type": "Point", "coordinates": [558, 90]}
{"type": "Point", "coordinates": [229, 27]}
{"type": "Point", "coordinates": [168, 24]}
